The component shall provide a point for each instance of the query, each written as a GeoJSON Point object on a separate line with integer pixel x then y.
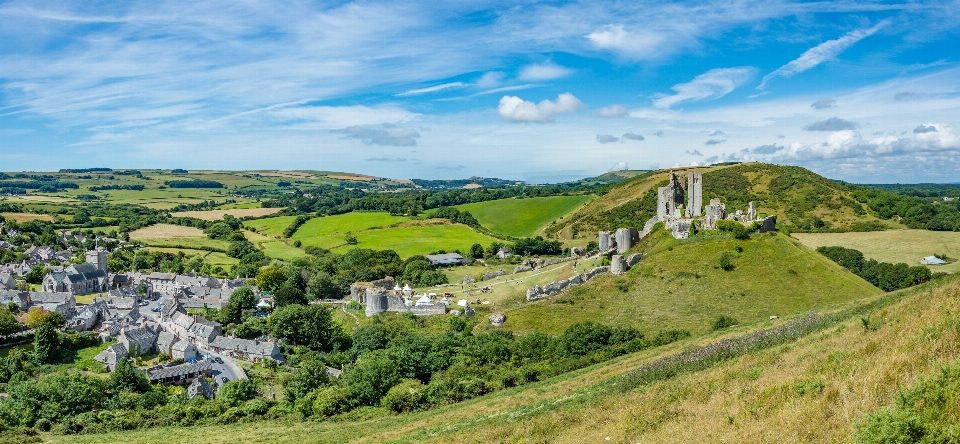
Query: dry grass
{"type": "Point", "coordinates": [218, 214]}
{"type": "Point", "coordinates": [24, 217]}
{"type": "Point", "coordinates": [893, 246]}
{"type": "Point", "coordinates": [356, 178]}
{"type": "Point", "coordinates": [166, 231]}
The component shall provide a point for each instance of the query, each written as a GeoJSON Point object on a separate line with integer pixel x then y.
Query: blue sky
{"type": "Point", "coordinates": [537, 91]}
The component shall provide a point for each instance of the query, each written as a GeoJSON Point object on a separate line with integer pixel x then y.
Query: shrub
{"type": "Point", "coordinates": [408, 395]}
{"type": "Point", "coordinates": [725, 263]}
{"type": "Point", "coordinates": [723, 322]}
{"type": "Point", "coordinates": [331, 400]}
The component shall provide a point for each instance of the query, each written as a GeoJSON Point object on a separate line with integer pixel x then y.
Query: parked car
{"type": "Point", "coordinates": [192, 360]}
{"type": "Point", "coordinates": [144, 303]}
{"type": "Point", "coordinates": [224, 379]}
{"type": "Point", "coordinates": [218, 360]}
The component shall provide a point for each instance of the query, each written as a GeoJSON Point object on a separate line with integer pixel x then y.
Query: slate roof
{"type": "Point", "coordinates": [445, 259]}
{"type": "Point", "coordinates": [262, 348]}
{"type": "Point", "coordinates": [179, 370]}
{"type": "Point", "coordinates": [161, 276]}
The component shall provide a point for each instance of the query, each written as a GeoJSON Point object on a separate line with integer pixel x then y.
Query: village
{"type": "Point", "coordinates": [141, 314]}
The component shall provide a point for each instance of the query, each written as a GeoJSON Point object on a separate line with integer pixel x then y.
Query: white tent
{"type": "Point", "coordinates": [932, 260]}
{"type": "Point", "coordinates": [424, 300]}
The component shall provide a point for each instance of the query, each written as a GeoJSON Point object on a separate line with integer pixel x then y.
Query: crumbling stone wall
{"type": "Point", "coordinates": [633, 259]}
{"type": "Point", "coordinates": [617, 264]}
{"type": "Point", "coordinates": [538, 292]}
{"type": "Point", "coordinates": [492, 275]}
{"type": "Point", "coordinates": [358, 290]}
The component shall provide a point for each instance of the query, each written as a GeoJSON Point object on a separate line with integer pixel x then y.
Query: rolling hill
{"type": "Point", "coordinates": [522, 217]}
{"type": "Point", "coordinates": [801, 200]}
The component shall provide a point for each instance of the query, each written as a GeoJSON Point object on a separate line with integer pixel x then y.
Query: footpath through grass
{"type": "Point", "coordinates": [523, 217]}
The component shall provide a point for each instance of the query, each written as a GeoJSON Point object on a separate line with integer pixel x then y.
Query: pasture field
{"type": "Point", "coordinates": [271, 226]}
{"type": "Point", "coordinates": [342, 223]}
{"type": "Point", "coordinates": [187, 243]}
{"type": "Point", "coordinates": [523, 217]}
{"type": "Point", "coordinates": [24, 217]}
{"type": "Point", "coordinates": [893, 246]}
{"type": "Point", "coordinates": [212, 215]}
{"type": "Point", "coordinates": [679, 285]}
{"type": "Point", "coordinates": [167, 231]}
{"type": "Point", "coordinates": [210, 257]}
{"type": "Point", "coordinates": [413, 240]}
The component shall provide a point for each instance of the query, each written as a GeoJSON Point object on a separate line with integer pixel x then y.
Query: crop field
{"type": "Point", "coordinates": [680, 286]}
{"type": "Point", "coordinates": [523, 217]}
{"type": "Point", "coordinates": [167, 231]}
{"type": "Point", "coordinates": [893, 246]}
{"type": "Point", "coordinates": [24, 217]}
{"type": "Point", "coordinates": [218, 214]}
{"type": "Point", "coordinates": [413, 240]}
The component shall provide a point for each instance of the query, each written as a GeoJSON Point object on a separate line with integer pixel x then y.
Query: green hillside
{"type": "Point", "coordinates": [801, 199]}
{"type": "Point", "coordinates": [522, 217]}
{"type": "Point", "coordinates": [833, 378]}
{"type": "Point", "coordinates": [679, 286]}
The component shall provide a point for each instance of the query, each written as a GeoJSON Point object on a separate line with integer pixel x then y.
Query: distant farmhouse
{"type": "Point", "coordinates": [446, 260]}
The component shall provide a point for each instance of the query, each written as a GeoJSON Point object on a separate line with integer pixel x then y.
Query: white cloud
{"type": "Point", "coordinates": [490, 79]}
{"type": "Point", "coordinates": [612, 111]}
{"type": "Point", "coordinates": [633, 136]}
{"type": "Point", "coordinates": [543, 71]}
{"type": "Point", "coordinates": [435, 88]}
{"type": "Point", "coordinates": [506, 88]}
{"type": "Point", "coordinates": [516, 109]}
{"type": "Point", "coordinates": [824, 103]}
{"type": "Point", "coordinates": [821, 53]}
{"type": "Point", "coordinates": [712, 84]}
{"type": "Point", "coordinates": [636, 45]}
{"type": "Point", "coordinates": [620, 166]}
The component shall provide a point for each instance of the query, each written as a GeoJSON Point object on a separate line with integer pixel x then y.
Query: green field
{"type": "Point", "coordinates": [211, 257]}
{"type": "Point", "coordinates": [271, 226]}
{"type": "Point", "coordinates": [523, 217]}
{"type": "Point", "coordinates": [196, 243]}
{"type": "Point", "coordinates": [894, 246]}
{"type": "Point", "coordinates": [678, 286]}
{"type": "Point", "coordinates": [414, 240]}
{"type": "Point", "coordinates": [342, 223]}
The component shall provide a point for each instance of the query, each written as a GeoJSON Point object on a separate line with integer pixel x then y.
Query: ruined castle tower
{"type": "Point", "coordinates": [669, 198]}
{"type": "Point", "coordinates": [694, 194]}
{"type": "Point", "coordinates": [752, 212]}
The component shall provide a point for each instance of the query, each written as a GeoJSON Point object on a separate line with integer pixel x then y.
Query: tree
{"type": "Point", "coordinates": [311, 374]}
{"type": "Point", "coordinates": [35, 317]}
{"type": "Point", "coordinates": [243, 298]}
{"type": "Point", "coordinates": [120, 260]}
{"type": "Point", "coordinates": [584, 337]}
{"type": "Point", "coordinates": [8, 323]}
{"type": "Point", "coordinates": [46, 341]}
{"type": "Point", "coordinates": [235, 392]}
{"type": "Point", "coordinates": [322, 286]}
{"type": "Point", "coordinates": [288, 295]}
{"type": "Point", "coordinates": [476, 251]}
{"type": "Point", "coordinates": [310, 325]}
{"type": "Point", "coordinates": [271, 278]}
{"type": "Point", "coordinates": [36, 274]}
{"type": "Point", "coordinates": [373, 375]}
{"type": "Point", "coordinates": [125, 379]}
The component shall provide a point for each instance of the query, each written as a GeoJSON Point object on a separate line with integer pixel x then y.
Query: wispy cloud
{"type": "Point", "coordinates": [606, 138]}
{"type": "Point", "coordinates": [712, 84]}
{"type": "Point", "coordinates": [386, 159]}
{"type": "Point", "coordinates": [386, 135]}
{"type": "Point", "coordinates": [824, 103]}
{"type": "Point", "coordinates": [821, 53]}
{"type": "Point", "coordinates": [543, 71]}
{"type": "Point", "coordinates": [612, 111]}
{"type": "Point", "coordinates": [831, 124]}
{"type": "Point", "coordinates": [515, 109]}
{"type": "Point", "coordinates": [714, 142]}
{"type": "Point", "coordinates": [432, 89]}
{"type": "Point", "coordinates": [633, 136]}
{"type": "Point", "coordinates": [507, 88]}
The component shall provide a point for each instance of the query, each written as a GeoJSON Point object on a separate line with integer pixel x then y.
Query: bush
{"type": "Point", "coordinates": [331, 400]}
{"type": "Point", "coordinates": [235, 392]}
{"type": "Point", "coordinates": [409, 395]}
{"type": "Point", "coordinates": [723, 322]}
{"type": "Point", "coordinates": [726, 263]}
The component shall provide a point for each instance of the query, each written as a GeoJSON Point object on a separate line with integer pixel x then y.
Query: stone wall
{"type": "Point", "coordinates": [633, 259]}
{"type": "Point", "coordinates": [380, 301]}
{"type": "Point", "coordinates": [358, 290]}
{"type": "Point", "coordinates": [493, 275]}
{"type": "Point", "coordinates": [617, 264]}
{"type": "Point", "coordinates": [538, 292]}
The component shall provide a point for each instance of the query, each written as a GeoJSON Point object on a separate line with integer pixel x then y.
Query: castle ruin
{"type": "Point", "coordinates": [681, 220]}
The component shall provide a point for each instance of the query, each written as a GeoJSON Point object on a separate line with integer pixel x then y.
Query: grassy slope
{"type": "Point", "coordinates": [808, 193]}
{"type": "Point", "coordinates": [893, 246]}
{"type": "Point", "coordinates": [812, 390]}
{"type": "Point", "coordinates": [271, 226]}
{"type": "Point", "coordinates": [773, 276]}
{"type": "Point", "coordinates": [523, 217]}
